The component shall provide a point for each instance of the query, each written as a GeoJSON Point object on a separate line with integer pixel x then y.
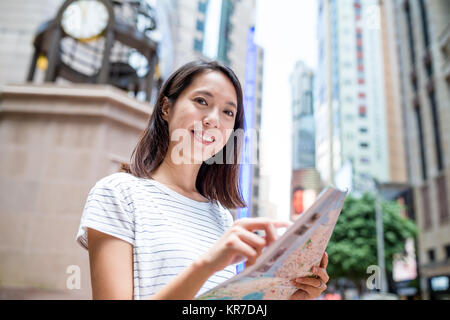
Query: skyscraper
{"type": "Point", "coordinates": [350, 109]}
{"type": "Point", "coordinates": [303, 141]}
{"type": "Point", "coordinates": [422, 42]}
{"type": "Point", "coordinates": [305, 182]}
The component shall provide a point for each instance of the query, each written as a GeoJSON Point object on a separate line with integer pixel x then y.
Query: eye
{"type": "Point", "coordinates": [201, 101]}
{"type": "Point", "coordinates": [230, 113]}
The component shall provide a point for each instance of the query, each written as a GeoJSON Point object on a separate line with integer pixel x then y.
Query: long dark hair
{"type": "Point", "coordinates": [216, 181]}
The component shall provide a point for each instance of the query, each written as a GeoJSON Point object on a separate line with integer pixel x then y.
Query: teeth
{"type": "Point", "coordinates": [205, 138]}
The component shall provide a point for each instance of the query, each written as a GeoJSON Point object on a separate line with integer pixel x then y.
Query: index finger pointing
{"type": "Point", "coordinates": [268, 225]}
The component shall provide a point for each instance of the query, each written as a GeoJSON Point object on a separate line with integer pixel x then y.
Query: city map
{"type": "Point", "coordinates": [291, 256]}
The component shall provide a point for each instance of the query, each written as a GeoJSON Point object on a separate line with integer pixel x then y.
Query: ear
{"type": "Point", "coordinates": [165, 109]}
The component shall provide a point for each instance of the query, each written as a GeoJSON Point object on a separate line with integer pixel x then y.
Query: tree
{"type": "Point", "coordinates": [353, 245]}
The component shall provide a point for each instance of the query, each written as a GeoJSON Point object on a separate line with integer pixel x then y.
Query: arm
{"type": "Point", "coordinates": [111, 261]}
{"type": "Point", "coordinates": [187, 283]}
{"type": "Point", "coordinates": [111, 264]}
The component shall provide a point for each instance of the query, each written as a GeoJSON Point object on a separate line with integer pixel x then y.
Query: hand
{"type": "Point", "coordinates": [311, 288]}
{"type": "Point", "coordinates": [239, 242]}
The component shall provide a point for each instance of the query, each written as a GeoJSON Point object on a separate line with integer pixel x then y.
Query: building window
{"type": "Point", "coordinates": [447, 251]}
{"type": "Point", "coordinates": [436, 129]}
{"type": "Point", "coordinates": [255, 212]}
{"type": "Point", "coordinates": [421, 143]}
{"type": "Point", "coordinates": [431, 256]}
{"type": "Point", "coordinates": [442, 199]}
{"type": "Point", "coordinates": [256, 191]}
{"type": "Point", "coordinates": [363, 130]}
{"type": "Point", "coordinates": [365, 176]}
{"type": "Point", "coordinates": [364, 145]}
{"type": "Point", "coordinates": [365, 160]}
{"type": "Point", "coordinates": [423, 14]}
{"type": "Point", "coordinates": [200, 25]}
{"type": "Point", "coordinates": [257, 174]}
{"type": "Point", "coordinates": [202, 6]}
{"type": "Point", "coordinates": [426, 207]}
{"type": "Point", "coordinates": [410, 34]}
{"type": "Point", "coordinates": [198, 45]}
{"type": "Point", "coordinates": [362, 112]}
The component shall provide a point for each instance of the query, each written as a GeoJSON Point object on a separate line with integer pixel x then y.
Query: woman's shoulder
{"type": "Point", "coordinates": [118, 181]}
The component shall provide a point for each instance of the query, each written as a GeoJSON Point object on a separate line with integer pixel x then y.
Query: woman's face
{"type": "Point", "coordinates": [202, 119]}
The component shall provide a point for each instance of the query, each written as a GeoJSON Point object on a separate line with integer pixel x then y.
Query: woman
{"type": "Point", "coordinates": [162, 228]}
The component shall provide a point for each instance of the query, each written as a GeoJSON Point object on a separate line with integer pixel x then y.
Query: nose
{"type": "Point", "coordinates": [211, 120]}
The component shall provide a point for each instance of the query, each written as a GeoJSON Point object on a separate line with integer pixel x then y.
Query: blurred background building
{"type": "Point", "coordinates": [381, 104]}
{"type": "Point", "coordinates": [305, 181]}
{"type": "Point", "coordinates": [19, 21]}
{"type": "Point", "coordinates": [350, 106]}
{"type": "Point", "coordinates": [422, 42]}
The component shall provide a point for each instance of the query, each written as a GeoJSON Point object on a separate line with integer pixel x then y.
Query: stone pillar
{"type": "Point", "coordinates": [55, 142]}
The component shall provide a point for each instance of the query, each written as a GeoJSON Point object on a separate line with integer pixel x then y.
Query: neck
{"type": "Point", "coordinates": [182, 176]}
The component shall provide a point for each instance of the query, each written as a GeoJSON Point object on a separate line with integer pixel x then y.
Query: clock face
{"type": "Point", "coordinates": [85, 19]}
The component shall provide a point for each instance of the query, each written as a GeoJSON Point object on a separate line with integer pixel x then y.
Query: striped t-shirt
{"type": "Point", "coordinates": [167, 230]}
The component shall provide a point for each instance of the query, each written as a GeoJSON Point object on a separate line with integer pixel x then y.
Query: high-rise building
{"type": "Point", "coordinates": [322, 94]}
{"type": "Point", "coordinates": [421, 32]}
{"type": "Point", "coordinates": [305, 182]}
{"type": "Point", "coordinates": [395, 121]}
{"type": "Point", "coordinates": [350, 109]}
{"type": "Point", "coordinates": [303, 141]}
{"type": "Point", "coordinates": [214, 29]}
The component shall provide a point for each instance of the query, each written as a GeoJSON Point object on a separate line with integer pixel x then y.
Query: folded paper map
{"type": "Point", "coordinates": [291, 256]}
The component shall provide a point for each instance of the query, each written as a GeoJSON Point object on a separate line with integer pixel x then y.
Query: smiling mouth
{"type": "Point", "coordinates": [200, 135]}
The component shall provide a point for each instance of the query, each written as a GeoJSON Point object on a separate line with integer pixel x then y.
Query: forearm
{"type": "Point", "coordinates": [186, 285]}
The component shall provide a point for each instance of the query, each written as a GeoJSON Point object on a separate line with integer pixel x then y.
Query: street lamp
{"type": "Point", "coordinates": [380, 236]}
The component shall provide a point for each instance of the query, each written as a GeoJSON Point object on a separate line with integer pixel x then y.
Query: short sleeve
{"type": "Point", "coordinates": [107, 210]}
{"type": "Point", "coordinates": [227, 217]}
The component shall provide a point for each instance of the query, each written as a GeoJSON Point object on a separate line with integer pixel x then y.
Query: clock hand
{"type": "Point", "coordinates": [83, 9]}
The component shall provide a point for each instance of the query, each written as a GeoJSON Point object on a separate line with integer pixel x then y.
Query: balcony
{"type": "Point", "coordinates": [444, 40]}
{"type": "Point", "coordinates": [413, 76]}
{"type": "Point", "coordinates": [427, 59]}
{"type": "Point", "coordinates": [446, 71]}
{"type": "Point", "coordinates": [416, 102]}
{"type": "Point", "coordinates": [430, 86]}
{"type": "Point", "coordinates": [406, 5]}
{"type": "Point", "coordinates": [444, 44]}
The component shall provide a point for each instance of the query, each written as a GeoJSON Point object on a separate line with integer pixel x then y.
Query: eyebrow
{"type": "Point", "coordinates": [207, 93]}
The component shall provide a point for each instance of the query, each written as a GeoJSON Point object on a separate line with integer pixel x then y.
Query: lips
{"type": "Point", "coordinates": [203, 137]}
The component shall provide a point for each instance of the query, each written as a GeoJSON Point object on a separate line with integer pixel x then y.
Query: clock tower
{"type": "Point", "coordinates": [99, 41]}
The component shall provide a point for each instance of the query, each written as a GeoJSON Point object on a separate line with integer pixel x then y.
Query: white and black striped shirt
{"type": "Point", "coordinates": [168, 231]}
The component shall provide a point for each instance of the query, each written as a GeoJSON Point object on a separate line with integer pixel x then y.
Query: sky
{"type": "Point", "coordinates": [286, 29]}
